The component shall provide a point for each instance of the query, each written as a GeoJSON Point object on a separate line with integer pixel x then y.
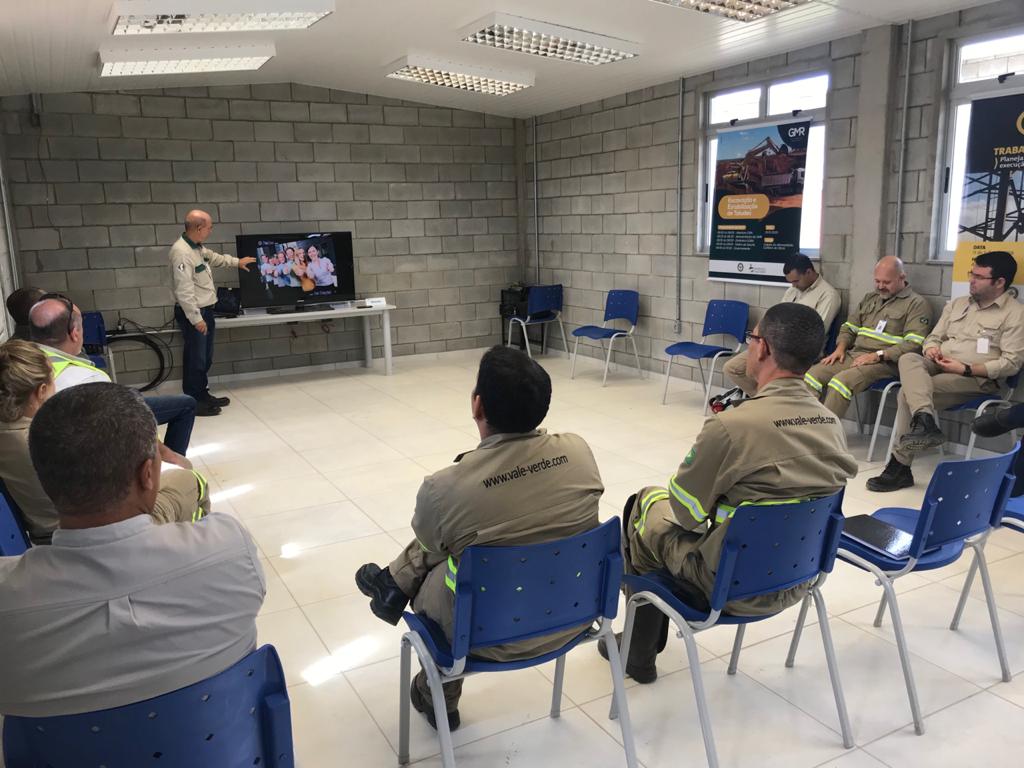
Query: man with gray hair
{"type": "Point", "coordinates": [119, 608]}
{"type": "Point", "coordinates": [194, 296]}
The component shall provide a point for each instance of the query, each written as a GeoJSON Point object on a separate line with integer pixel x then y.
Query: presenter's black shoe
{"type": "Point", "coordinates": [220, 402]}
{"type": "Point", "coordinates": [206, 408]}
{"type": "Point", "coordinates": [992, 423]}
{"type": "Point", "coordinates": [387, 601]}
{"type": "Point", "coordinates": [894, 477]}
{"type": "Point", "coordinates": [421, 704]}
{"type": "Point", "coordinates": [924, 433]}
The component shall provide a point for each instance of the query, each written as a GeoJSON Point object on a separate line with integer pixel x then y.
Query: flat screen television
{"type": "Point", "coordinates": [296, 271]}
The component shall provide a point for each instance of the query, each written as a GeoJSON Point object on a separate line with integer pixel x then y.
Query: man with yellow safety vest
{"type": "Point", "coordinates": [55, 324]}
{"type": "Point", "coordinates": [520, 486]}
{"type": "Point", "coordinates": [780, 445]}
{"type": "Point", "coordinates": [889, 322]}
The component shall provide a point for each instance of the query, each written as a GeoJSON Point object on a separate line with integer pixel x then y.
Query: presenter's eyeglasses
{"type": "Point", "coordinates": [67, 303]}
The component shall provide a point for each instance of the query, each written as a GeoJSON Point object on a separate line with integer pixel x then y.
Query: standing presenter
{"type": "Point", "coordinates": [194, 297]}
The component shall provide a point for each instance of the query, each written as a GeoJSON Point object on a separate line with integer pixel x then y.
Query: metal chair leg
{"type": "Point", "coordinates": [575, 349]}
{"type": "Point", "coordinates": [833, 668]}
{"type": "Point", "coordinates": [627, 635]}
{"type": "Point", "coordinates": [619, 695]}
{"type": "Point", "coordinates": [964, 593]}
{"type": "Point", "coordinates": [636, 354]}
{"type": "Point", "coordinates": [556, 693]}
{"type": "Point", "coordinates": [565, 340]}
{"type": "Point", "coordinates": [901, 645]}
{"type": "Point", "coordinates": [510, 321]}
{"type": "Point", "coordinates": [881, 610]}
{"type": "Point", "coordinates": [737, 643]}
{"type": "Point", "coordinates": [444, 734]}
{"type": "Point", "coordinates": [608, 360]}
{"type": "Point", "coordinates": [878, 421]}
{"type": "Point", "coordinates": [693, 657]}
{"type": "Point", "coordinates": [668, 373]}
{"type": "Point", "coordinates": [705, 384]}
{"type": "Point", "coordinates": [794, 643]}
{"type": "Point", "coordinates": [993, 613]}
{"type": "Point", "coordinates": [403, 703]}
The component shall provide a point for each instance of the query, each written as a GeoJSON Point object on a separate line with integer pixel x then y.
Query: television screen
{"type": "Point", "coordinates": [296, 269]}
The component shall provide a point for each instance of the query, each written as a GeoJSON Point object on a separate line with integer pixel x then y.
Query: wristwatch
{"type": "Point", "coordinates": [881, 355]}
{"type": "Point", "coordinates": [967, 370]}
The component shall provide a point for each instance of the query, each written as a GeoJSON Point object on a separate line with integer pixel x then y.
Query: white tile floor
{"type": "Point", "coordinates": [324, 468]}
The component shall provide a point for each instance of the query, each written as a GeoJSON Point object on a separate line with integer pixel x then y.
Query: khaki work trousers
{"type": "Point", "coordinates": [841, 382]}
{"type": "Point", "coordinates": [735, 370]}
{"type": "Point", "coordinates": [926, 387]}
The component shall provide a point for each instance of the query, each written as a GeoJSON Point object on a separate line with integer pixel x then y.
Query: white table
{"type": "Point", "coordinates": [258, 316]}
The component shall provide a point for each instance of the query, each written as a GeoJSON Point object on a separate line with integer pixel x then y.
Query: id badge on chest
{"type": "Point", "coordinates": [880, 325]}
{"type": "Point", "coordinates": [982, 347]}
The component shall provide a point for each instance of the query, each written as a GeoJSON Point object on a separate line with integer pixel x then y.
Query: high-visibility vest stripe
{"type": "Point", "coordinates": [449, 578]}
{"type": "Point", "coordinates": [60, 362]}
{"type": "Point", "coordinates": [659, 494]}
{"type": "Point", "coordinates": [199, 513]}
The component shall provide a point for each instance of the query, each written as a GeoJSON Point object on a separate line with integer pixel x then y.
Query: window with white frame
{"type": "Point", "coordinates": [982, 68]}
{"type": "Point", "coordinates": [802, 98]}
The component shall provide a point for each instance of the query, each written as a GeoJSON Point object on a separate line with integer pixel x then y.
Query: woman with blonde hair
{"type": "Point", "coordinates": [26, 382]}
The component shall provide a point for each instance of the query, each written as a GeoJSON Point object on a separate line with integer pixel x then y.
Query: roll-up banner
{"type": "Point", "coordinates": [758, 199]}
{"type": "Point", "coordinates": [992, 198]}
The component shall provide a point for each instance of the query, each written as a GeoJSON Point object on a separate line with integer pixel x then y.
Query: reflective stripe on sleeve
{"type": "Point", "coordinates": [690, 502]}
{"type": "Point", "coordinates": [199, 513]}
{"type": "Point", "coordinates": [917, 339]}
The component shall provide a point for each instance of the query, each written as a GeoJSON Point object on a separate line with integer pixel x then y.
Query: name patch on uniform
{"type": "Point", "coordinates": [690, 457]}
{"type": "Point", "coordinates": [181, 267]}
{"type": "Point", "coordinates": [525, 471]}
{"type": "Point", "coordinates": [805, 421]}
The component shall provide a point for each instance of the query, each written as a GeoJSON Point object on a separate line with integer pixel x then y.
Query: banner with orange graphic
{"type": "Point", "coordinates": [992, 198]}
{"type": "Point", "coordinates": [758, 201]}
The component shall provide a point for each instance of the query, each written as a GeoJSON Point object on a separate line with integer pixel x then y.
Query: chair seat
{"type": "Point", "coordinates": [1014, 509]}
{"type": "Point", "coordinates": [537, 317]}
{"type": "Point", "coordinates": [664, 586]}
{"type": "Point", "coordinates": [973, 404]}
{"type": "Point", "coordinates": [98, 360]}
{"type": "Point", "coordinates": [881, 384]}
{"type": "Point", "coordinates": [695, 351]}
{"type": "Point", "coordinates": [596, 332]}
{"type": "Point", "coordinates": [906, 520]}
{"type": "Point", "coordinates": [441, 652]}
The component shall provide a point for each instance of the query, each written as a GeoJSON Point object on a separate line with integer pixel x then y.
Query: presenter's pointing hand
{"type": "Point", "coordinates": [243, 263]}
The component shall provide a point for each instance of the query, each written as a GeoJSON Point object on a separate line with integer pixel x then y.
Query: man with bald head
{"type": "Point", "coordinates": [194, 296]}
{"type": "Point", "coordinates": [890, 321]}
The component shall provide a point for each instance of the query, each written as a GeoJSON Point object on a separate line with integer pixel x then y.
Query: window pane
{"type": "Point", "coordinates": [814, 179]}
{"type": "Point", "coordinates": [738, 105]}
{"type": "Point", "coordinates": [956, 176]}
{"type": "Point", "coordinates": [709, 179]}
{"type": "Point", "coordinates": [991, 58]}
{"type": "Point", "coordinates": [808, 93]}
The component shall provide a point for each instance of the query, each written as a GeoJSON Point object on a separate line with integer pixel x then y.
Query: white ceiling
{"type": "Point", "coordinates": [50, 46]}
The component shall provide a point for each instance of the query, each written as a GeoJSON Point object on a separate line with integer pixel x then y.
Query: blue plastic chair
{"type": "Point", "coordinates": [13, 539]}
{"type": "Point", "coordinates": [543, 305]}
{"type": "Point", "coordinates": [963, 503]}
{"type": "Point", "coordinates": [620, 305]}
{"type": "Point", "coordinates": [507, 594]}
{"type": "Point", "coordinates": [94, 332]}
{"type": "Point", "coordinates": [804, 536]}
{"type": "Point", "coordinates": [240, 717]}
{"type": "Point", "coordinates": [726, 318]}
{"type": "Point", "coordinates": [832, 338]}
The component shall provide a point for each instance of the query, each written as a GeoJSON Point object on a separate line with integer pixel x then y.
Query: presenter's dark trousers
{"type": "Point", "coordinates": [198, 353]}
{"type": "Point", "coordinates": [178, 412]}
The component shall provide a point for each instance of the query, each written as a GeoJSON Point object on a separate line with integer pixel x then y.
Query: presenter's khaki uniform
{"type": "Point", "coordinates": [513, 489]}
{"type": "Point", "coordinates": [969, 334]}
{"type": "Point", "coordinates": [893, 325]}
{"type": "Point", "coordinates": [822, 297]}
{"type": "Point", "coordinates": [780, 445]}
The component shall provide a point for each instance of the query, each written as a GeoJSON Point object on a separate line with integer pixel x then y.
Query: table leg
{"type": "Point", "coordinates": [367, 343]}
{"type": "Point", "coordinates": [386, 317]}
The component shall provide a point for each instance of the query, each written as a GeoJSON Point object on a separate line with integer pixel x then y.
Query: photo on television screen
{"type": "Point", "coordinates": [295, 269]}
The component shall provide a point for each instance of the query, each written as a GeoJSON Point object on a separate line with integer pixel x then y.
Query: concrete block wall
{"type": "Point", "coordinates": [607, 177]}
{"type": "Point", "coordinates": [100, 187]}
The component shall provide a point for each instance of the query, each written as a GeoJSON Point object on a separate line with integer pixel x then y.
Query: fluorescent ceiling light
{"type": "Point", "coordinates": [420, 69]}
{"type": "Point", "coordinates": [155, 17]}
{"type": "Point", "coordinates": [739, 10]}
{"type": "Point", "coordinates": [177, 61]}
{"type": "Point", "coordinates": [513, 33]}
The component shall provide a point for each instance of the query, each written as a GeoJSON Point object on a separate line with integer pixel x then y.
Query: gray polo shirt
{"type": "Point", "coordinates": [121, 613]}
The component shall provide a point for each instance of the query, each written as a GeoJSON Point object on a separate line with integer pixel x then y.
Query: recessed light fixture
{"type": "Point", "coordinates": [513, 33]}
{"type": "Point", "coordinates": [738, 10]}
{"type": "Point", "coordinates": [420, 69]}
{"type": "Point", "coordinates": [157, 17]}
{"type": "Point", "coordinates": [176, 61]}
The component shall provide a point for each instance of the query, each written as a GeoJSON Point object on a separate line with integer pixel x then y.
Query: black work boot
{"type": "Point", "coordinates": [387, 601]}
{"type": "Point", "coordinates": [924, 433]}
{"type": "Point", "coordinates": [425, 705]}
{"type": "Point", "coordinates": [992, 423]}
{"type": "Point", "coordinates": [650, 633]}
{"type": "Point", "coordinates": [893, 477]}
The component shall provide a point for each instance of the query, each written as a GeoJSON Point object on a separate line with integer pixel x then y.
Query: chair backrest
{"type": "Point", "coordinates": [544, 298]}
{"type": "Point", "coordinates": [238, 717]}
{"type": "Point", "coordinates": [94, 330]}
{"type": "Point", "coordinates": [774, 546]}
{"type": "Point", "coordinates": [505, 594]}
{"type": "Point", "coordinates": [962, 500]}
{"type": "Point", "coordinates": [13, 540]}
{"type": "Point", "coordinates": [833, 335]}
{"type": "Point", "coordinates": [622, 305]}
{"type": "Point", "coordinates": [728, 318]}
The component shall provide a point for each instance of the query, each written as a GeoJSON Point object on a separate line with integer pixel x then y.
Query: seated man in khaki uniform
{"type": "Point", "coordinates": [978, 340]}
{"type": "Point", "coordinates": [781, 445]}
{"type": "Point", "coordinates": [889, 322]}
{"type": "Point", "coordinates": [806, 287]}
{"type": "Point", "coordinates": [488, 498]}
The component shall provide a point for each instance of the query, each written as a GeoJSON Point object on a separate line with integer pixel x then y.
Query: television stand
{"type": "Point", "coordinates": [299, 308]}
